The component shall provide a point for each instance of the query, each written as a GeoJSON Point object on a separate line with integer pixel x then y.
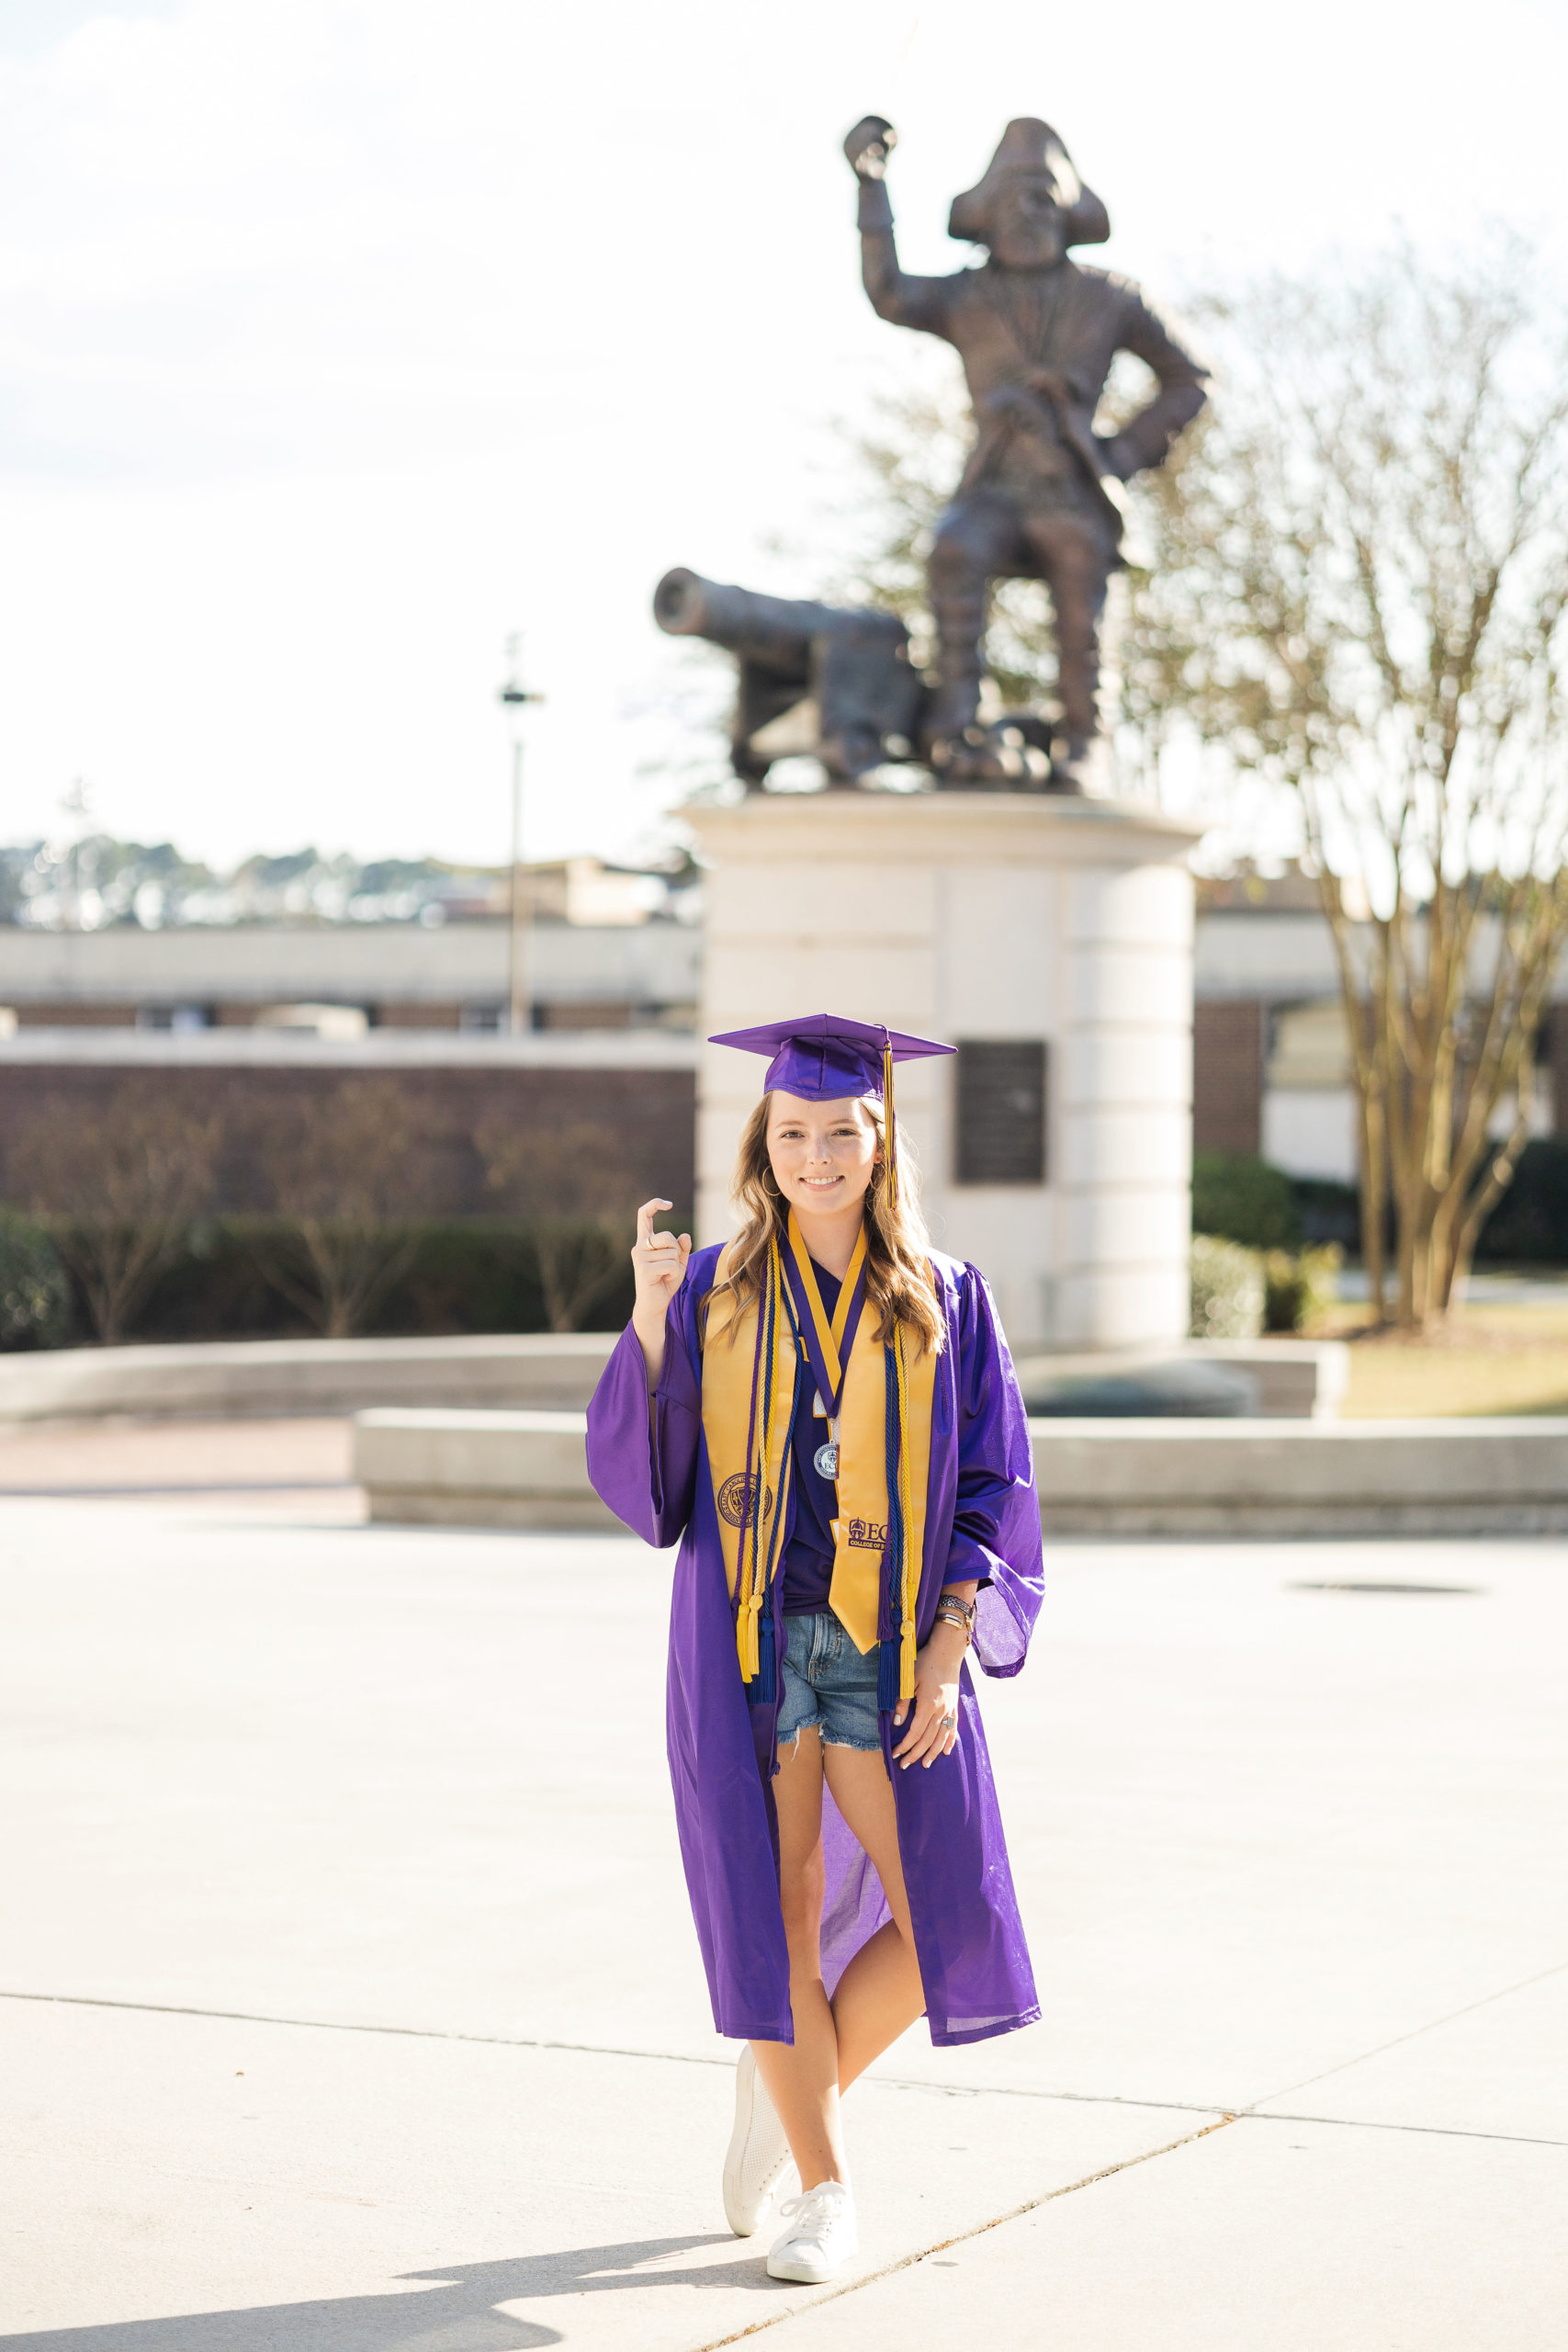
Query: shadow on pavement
{"type": "Point", "coordinates": [459, 2315]}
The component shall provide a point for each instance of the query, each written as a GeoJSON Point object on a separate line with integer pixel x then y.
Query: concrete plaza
{"type": "Point", "coordinates": [350, 2000]}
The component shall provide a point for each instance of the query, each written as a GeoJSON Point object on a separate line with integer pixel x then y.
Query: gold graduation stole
{"type": "Point", "coordinates": [747, 1406]}
{"type": "Point", "coordinates": [882, 1433]}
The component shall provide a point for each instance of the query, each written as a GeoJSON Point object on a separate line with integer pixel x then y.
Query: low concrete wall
{"type": "Point", "coordinates": [1272, 1379]}
{"type": "Point", "coordinates": [241, 1378]}
{"type": "Point", "coordinates": [235, 1379]}
{"type": "Point", "coordinates": [458, 1469]}
{"type": "Point", "coordinates": [1274, 1478]}
{"type": "Point", "coordinates": [1110, 1477]}
{"type": "Point", "coordinates": [1296, 1379]}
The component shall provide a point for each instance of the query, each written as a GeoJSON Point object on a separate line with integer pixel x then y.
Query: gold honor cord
{"type": "Point", "coordinates": [759, 1503]}
{"type": "Point", "coordinates": [905, 1601]}
{"type": "Point", "coordinates": [829, 1335]}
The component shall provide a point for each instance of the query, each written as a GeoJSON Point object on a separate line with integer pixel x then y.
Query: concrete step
{"type": "Point", "coordinates": [1096, 1477]}
{"type": "Point", "coordinates": [242, 1378]}
{"type": "Point", "coordinates": [239, 1378]}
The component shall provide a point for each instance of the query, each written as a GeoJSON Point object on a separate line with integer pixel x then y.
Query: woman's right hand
{"type": "Point", "coordinates": [659, 1263]}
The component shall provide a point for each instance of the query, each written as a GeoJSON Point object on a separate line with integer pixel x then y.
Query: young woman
{"type": "Point", "coordinates": [825, 1414]}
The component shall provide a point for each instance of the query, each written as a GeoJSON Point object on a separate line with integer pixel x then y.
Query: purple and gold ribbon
{"type": "Point", "coordinates": [828, 1341]}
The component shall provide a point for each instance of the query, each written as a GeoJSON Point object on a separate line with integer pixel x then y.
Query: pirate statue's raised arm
{"type": "Point", "coordinates": [1039, 497]}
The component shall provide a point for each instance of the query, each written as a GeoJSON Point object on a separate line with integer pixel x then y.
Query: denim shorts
{"type": "Point", "coordinates": [828, 1686]}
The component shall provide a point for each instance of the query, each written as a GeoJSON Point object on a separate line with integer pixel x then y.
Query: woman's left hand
{"type": "Point", "coordinates": [932, 1713]}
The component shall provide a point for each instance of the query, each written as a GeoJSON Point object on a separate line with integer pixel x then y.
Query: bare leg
{"type": "Point", "coordinates": [802, 2079]}
{"type": "Point", "coordinates": [879, 1995]}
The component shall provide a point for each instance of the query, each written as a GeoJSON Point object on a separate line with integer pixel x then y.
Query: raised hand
{"type": "Point", "coordinates": [869, 145]}
{"type": "Point", "coordinates": [659, 1263]}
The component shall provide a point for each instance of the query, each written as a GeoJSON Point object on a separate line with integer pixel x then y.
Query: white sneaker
{"type": "Point", "coordinates": [820, 2238]}
{"type": "Point", "coordinates": [759, 2153]}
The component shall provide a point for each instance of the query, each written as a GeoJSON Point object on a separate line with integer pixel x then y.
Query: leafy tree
{"type": "Point", "coordinates": [1359, 583]}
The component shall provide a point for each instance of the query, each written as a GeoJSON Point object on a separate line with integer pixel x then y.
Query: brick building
{"type": "Point", "coordinates": [262, 1012]}
{"type": "Point", "coordinates": [264, 1023]}
{"type": "Point", "coordinates": [1272, 1068]}
{"type": "Point", "coordinates": [630, 1098]}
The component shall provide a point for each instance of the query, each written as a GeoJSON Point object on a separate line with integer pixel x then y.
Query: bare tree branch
{"type": "Point", "coordinates": [117, 1182]}
{"type": "Point", "coordinates": [1360, 573]}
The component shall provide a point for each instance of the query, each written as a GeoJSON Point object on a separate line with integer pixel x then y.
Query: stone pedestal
{"type": "Point", "coordinates": [983, 918]}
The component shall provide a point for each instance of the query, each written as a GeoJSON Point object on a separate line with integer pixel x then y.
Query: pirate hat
{"type": "Point", "coordinates": [1029, 148]}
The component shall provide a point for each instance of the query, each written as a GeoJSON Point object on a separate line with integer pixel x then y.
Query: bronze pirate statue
{"type": "Point", "coordinates": [1039, 498]}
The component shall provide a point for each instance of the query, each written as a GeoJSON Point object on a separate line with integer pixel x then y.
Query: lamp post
{"type": "Point", "coordinates": [514, 694]}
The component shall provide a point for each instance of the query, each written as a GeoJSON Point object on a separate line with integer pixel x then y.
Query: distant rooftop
{"type": "Point", "coordinates": [98, 883]}
{"type": "Point", "coordinates": [1249, 892]}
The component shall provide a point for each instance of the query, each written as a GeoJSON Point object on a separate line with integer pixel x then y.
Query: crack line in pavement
{"type": "Point", "coordinates": [1366, 2123]}
{"type": "Point", "coordinates": [592, 2050]}
{"type": "Point", "coordinates": [340, 2025]}
{"type": "Point", "coordinates": [963, 2237]}
{"type": "Point", "coordinates": [885, 2082]}
{"type": "Point", "coordinates": [1416, 2031]}
{"type": "Point", "coordinates": [596, 2050]}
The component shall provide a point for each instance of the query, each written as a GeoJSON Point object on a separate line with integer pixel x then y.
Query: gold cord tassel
{"type": "Point", "coordinates": [756, 1555]}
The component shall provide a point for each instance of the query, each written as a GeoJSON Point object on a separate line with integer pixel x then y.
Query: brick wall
{"type": "Point", "coordinates": [1227, 1075]}
{"type": "Point", "coordinates": [651, 1112]}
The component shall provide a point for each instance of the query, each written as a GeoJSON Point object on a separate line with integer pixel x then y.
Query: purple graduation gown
{"type": "Point", "coordinates": [982, 1520]}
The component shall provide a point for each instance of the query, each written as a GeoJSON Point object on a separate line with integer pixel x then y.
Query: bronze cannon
{"type": "Point", "coordinates": [836, 684]}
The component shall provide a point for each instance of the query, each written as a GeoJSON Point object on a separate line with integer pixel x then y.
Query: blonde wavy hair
{"type": "Point", "coordinates": [899, 1285]}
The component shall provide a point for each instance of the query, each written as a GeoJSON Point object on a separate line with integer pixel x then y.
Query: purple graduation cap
{"type": "Point", "coordinates": [824, 1056]}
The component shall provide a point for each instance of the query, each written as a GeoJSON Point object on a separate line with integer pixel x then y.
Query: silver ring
{"type": "Point", "coordinates": [947, 1722]}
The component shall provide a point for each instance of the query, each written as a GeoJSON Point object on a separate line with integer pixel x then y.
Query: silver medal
{"type": "Point", "coordinates": [825, 1461]}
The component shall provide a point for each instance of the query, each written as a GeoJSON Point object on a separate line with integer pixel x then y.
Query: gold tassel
{"type": "Point", "coordinates": [755, 1563]}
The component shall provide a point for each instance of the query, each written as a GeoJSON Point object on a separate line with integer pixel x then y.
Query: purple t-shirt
{"type": "Point", "coordinates": [809, 1555]}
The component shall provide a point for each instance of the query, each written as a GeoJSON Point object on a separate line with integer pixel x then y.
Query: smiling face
{"type": "Point", "coordinates": [822, 1154]}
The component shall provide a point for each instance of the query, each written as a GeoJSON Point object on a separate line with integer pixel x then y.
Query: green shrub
{"type": "Point", "coordinates": [1227, 1290]}
{"type": "Point", "coordinates": [1297, 1290]}
{"type": "Point", "coordinates": [1329, 1212]}
{"type": "Point", "coordinates": [477, 1273]}
{"type": "Point", "coordinates": [1530, 1224]}
{"type": "Point", "coordinates": [35, 1295]}
{"type": "Point", "coordinates": [1238, 1197]}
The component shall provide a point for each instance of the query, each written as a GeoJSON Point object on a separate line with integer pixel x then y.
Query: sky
{"type": "Point", "coordinates": [341, 339]}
